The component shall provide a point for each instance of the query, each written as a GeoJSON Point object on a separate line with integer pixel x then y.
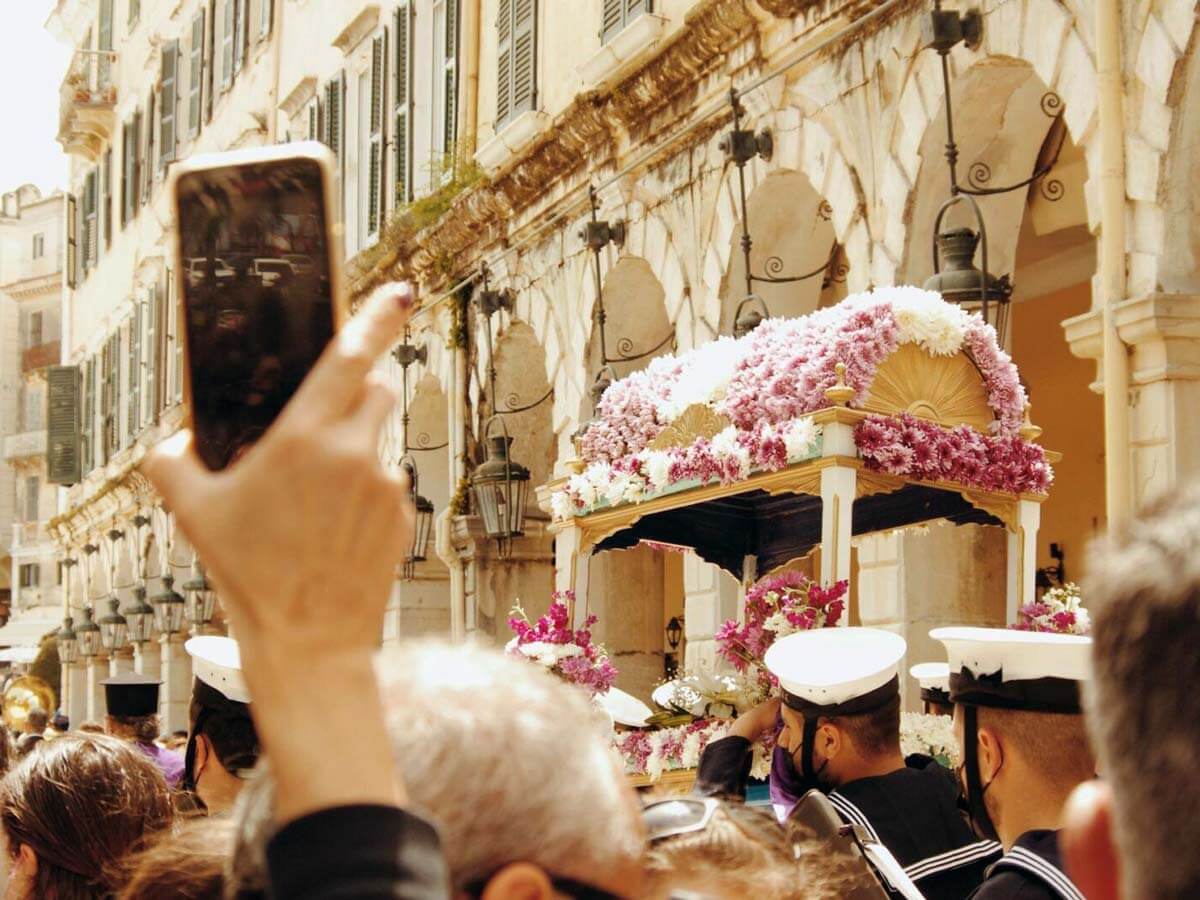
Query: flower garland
{"type": "Point", "coordinates": [915, 448]}
{"type": "Point", "coordinates": [929, 735]}
{"type": "Point", "coordinates": [669, 749]}
{"type": "Point", "coordinates": [775, 607]}
{"type": "Point", "coordinates": [1059, 611]}
{"type": "Point", "coordinates": [780, 371]}
{"type": "Point", "coordinates": [551, 643]}
{"type": "Point", "coordinates": [729, 456]}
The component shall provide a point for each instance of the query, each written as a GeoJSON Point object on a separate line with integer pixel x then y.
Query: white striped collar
{"type": "Point", "coordinates": [953, 859]}
{"type": "Point", "coordinates": [852, 813]}
{"type": "Point", "coordinates": [1054, 877]}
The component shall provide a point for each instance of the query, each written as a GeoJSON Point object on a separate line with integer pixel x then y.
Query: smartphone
{"type": "Point", "coordinates": [259, 286]}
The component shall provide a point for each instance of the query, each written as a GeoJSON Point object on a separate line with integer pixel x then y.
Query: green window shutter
{"type": "Point", "coordinates": [135, 11]}
{"type": "Point", "coordinates": [524, 55]}
{"type": "Point", "coordinates": [173, 306]}
{"type": "Point", "coordinates": [210, 59]}
{"type": "Point", "coordinates": [169, 101]}
{"type": "Point", "coordinates": [504, 62]}
{"type": "Point", "coordinates": [151, 395]}
{"type": "Point", "coordinates": [126, 179]}
{"type": "Point", "coordinates": [72, 260]}
{"type": "Point", "coordinates": [240, 27]}
{"type": "Point", "coordinates": [133, 388]}
{"type": "Point", "coordinates": [375, 165]}
{"type": "Point", "coordinates": [143, 127]}
{"type": "Point", "coordinates": [195, 74]}
{"type": "Point", "coordinates": [402, 103]}
{"type": "Point", "coordinates": [91, 238]}
{"type": "Point", "coordinates": [87, 427]}
{"type": "Point", "coordinates": [314, 119]}
{"type": "Point", "coordinates": [450, 82]}
{"type": "Point", "coordinates": [227, 45]}
{"type": "Point", "coordinates": [105, 42]}
{"type": "Point", "coordinates": [63, 451]}
{"type": "Point", "coordinates": [266, 18]}
{"type": "Point", "coordinates": [106, 197]}
{"type": "Point", "coordinates": [613, 19]}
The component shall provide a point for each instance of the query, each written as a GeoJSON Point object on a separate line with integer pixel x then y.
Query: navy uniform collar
{"type": "Point", "coordinates": [1035, 854]}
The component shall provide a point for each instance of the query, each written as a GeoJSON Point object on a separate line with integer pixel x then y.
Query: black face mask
{"type": "Point", "coordinates": [812, 777]}
{"type": "Point", "coordinates": [972, 789]}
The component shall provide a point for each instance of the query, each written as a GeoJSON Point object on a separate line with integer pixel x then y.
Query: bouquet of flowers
{"type": "Point", "coordinates": [1059, 611]}
{"type": "Point", "coordinates": [568, 653]}
{"type": "Point", "coordinates": [704, 695]}
{"type": "Point", "coordinates": [669, 749]}
{"type": "Point", "coordinates": [930, 735]}
{"type": "Point", "coordinates": [776, 607]}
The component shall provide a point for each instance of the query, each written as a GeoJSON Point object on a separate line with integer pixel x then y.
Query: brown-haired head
{"type": "Point", "coordinates": [188, 863]}
{"type": "Point", "coordinates": [81, 804]}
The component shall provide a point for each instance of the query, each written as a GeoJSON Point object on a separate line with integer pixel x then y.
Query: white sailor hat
{"type": "Point", "coordinates": [624, 708]}
{"type": "Point", "coordinates": [1016, 669]}
{"type": "Point", "coordinates": [217, 662]}
{"type": "Point", "coordinates": [932, 676]}
{"type": "Point", "coordinates": [827, 668]}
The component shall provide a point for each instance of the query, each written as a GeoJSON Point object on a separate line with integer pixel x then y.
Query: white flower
{"type": "Point", "coordinates": [930, 735]}
{"type": "Point", "coordinates": [760, 767]}
{"type": "Point", "coordinates": [799, 437]}
{"type": "Point", "coordinates": [779, 624]}
{"type": "Point", "coordinates": [1083, 621]}
{"type": "Point", "coordinates": [561, 505]}
{"type": "Point", "coordinates": [547, 654]}
{"type": "Point", "coordinates": [583, 487]}
{"type": "Point", "coordinates": [925, 319]}
{"type": "Point", "coordinates": [614, 491]}
{"type": "Point", "coordinates": [705, 377]}
{"type": "Point", "coordinates": [658, 468]}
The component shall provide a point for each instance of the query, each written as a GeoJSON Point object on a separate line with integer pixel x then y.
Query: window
{"type": "Point", "coordinates": [130, 173]}
{"type": "Point", "coordinates": [619, 13]}
{"type": "Point", "coordinates": [169, 101]}
{"type": "Point", "coordinates": [177, 349]}
{"type": "Point", "coordinates": [35, 330]}
{"type": "Point", "coordinates": [30, 575]}
{"type": "Point", "coordinates": [403, 103]}
{"type": "Point", "coordinates": [110, 397]}
{"type": "Point", "coordinates": [445, 123]}
{"type": "Point", "coordinates": [266, 17]}
{"type": "Point", "coordinates": [152, 396]}
{"type": "Point", "coordinates": [195, 73]}
{"type": "Point", "coordinates": [210, 58]}
{"type": "Point", "coordinates": [516, 56]}
{"type": "Point", "coordinates": [105, 42]}
{"type": "Point", "coordinates": [135, 11]}
{"type": "Point", "coordinates": [227, 44]}
{"type": "Point", "coordinates": [335, 89]}
{"type": "Point", "coordinates": [87, 446]}
{"type": "Point", "coordinates": [240, 27]}
{"type": "Point", "coordinates": [106, 189]}
{"type": "Point", "coordinates": [39, 245]}
{"type": "Point", "coordinates": [90, 241]}
{"type": "Point", "coordinates": [312, 120]}
{"type": "Point", "coordinates": [33, 487]}
{"type": "Point", "coordinates": [146, 149]}
{"type": "Point", "coordinates": [133, 380]}
{"type": "Point", "coordinates": [72, 261]}
{"type": "Point", "coordinates": [374, 149]}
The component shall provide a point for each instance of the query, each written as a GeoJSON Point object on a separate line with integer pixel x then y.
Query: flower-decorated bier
{"type": "Point", "coordinates": [564, 651]}
{"type": "Point", "coordinates": [891, 409]}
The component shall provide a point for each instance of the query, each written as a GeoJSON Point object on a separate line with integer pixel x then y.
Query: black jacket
{"type": "Point", "coordinates": [1031, 870]}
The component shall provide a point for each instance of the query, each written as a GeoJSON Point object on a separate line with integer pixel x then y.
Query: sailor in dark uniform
{"type": "Point", "coordinates": [1008, 686]}
{"type": "Point", "coordinates": [841, 712]}
{"type": "Point", "coordinates": [933, 678]}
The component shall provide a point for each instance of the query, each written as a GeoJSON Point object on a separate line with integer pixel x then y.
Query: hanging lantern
{"type": "Point", "coordinates": [746, 318]}
{"type": "Point", "coordinates": [423, 524]}
{"type": "Point", "coordinates": [201, 598]}
{"type": "Point", "coordinates": [139, 616]}
{"type": "Point", "coordinates": [604, 379]}
{"type": "Point", "coordinates": [501, 485]}
{"type": "Point", "coordinates": [962, 283]}
{"type": "Point", "coordinates": [168, 608]}
{"type": "Point", "coordinates": [88, 635]}
{"type": "Point", "coordinates": [113, 627]}
{"type": "Point", "coordinates": [68, 642]}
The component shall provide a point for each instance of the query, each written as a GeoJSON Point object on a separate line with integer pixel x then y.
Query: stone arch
{"type": "Point", "coordinates": [521, 381]}
{"type": "Point", "coordinates": [805, 147]}
{"type": "Point", "coordinates": [1042, 34]}
{"type": "Point", "coordinates": [1166, 231]}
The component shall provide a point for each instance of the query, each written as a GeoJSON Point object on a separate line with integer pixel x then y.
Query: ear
{"type": "Point", "coordinates": [1087, 844]}
{"type": "Point", "coordinates": [519, 881]}
{"type": "Point", "coordinates": [991, 754]}
{"type": "Point", "coordinates": [25, 864]}
{"type": "Point", "coordinates": [203, 752]}
{"type": "Point", "coordinates": [830, 740]}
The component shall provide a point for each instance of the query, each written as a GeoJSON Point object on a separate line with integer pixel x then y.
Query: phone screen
{"type": "Point", "coordinates": [257, 301]}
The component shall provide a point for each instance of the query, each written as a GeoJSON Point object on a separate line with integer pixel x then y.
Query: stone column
{"type": "Point", "coordinates": [75, 693]}
{"type": "Point", "coordinates": [147, 660]}
{"type": "Point", "coordinates": [97, 671]}
{"type": "Point", "coordinates": [121, 662]}
{"type": "Point", "coordinates": [1022, 558]}
{"type": "Point", "coordinates": [837, 506]}
{"type": "Point", "coordinates": [1161, 331]}
{"type": "Point", "coordinates": [176, 692]}
{"type": "Point", "coordinates": [711, 598]}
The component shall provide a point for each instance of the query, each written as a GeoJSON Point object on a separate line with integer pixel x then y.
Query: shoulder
{"type": "Point", "coordinates": [1007, 884]}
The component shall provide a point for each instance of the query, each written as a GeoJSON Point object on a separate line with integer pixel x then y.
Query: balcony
{"type": "Point", "coordinates": [39, 356]}
{"type": "Point", "coordinates": [86, 103]}
{"type": "Point", "coordinates": [25, 445]}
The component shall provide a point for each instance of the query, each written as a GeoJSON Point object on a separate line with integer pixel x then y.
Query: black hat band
{"type": "Point", "coordinates": [935, 695]}
{"type": "Point", "coordinates": [864, 703]}
{"type": "Point", "coordinates": [1057, 695]}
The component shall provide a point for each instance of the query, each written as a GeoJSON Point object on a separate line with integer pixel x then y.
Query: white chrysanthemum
{"type": "Point", "coordinates": [547, 654]}
{"type": "Point", "coordinates": [799, 437]}
{"type": "Point", "coordinates": [584, 487]}
{"type": "Point", "coordinates": [658, 468]}
{"type": "Point", "coordinates": [657, 762]}
{"type": "Point", "coordinates": [925, 319]}
{"type": "Point", "coordinates": [931, 735]}
{"type": "Point", "coordinates": [760, 768]}
{"type": "Point", "coordinates": [690, 757]}
{"type": "Point", "coordinates": [779, 624]}
{"type": "Point", "coordinates": [705, 379]}
{"type": "Point", "coordinates": [635, 489]}
{"type": "Point", "coordinates": [725, 442]}
{"type": "Point", "coordinates": [614, 491]}
{"type": "Point", "coordinates": [1083, 621]}
{"type": "Point", "coordinates": [561, 505]}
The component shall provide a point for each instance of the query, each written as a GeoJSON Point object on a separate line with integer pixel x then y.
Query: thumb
{"type": "Point", "coordinates": [175, 470]}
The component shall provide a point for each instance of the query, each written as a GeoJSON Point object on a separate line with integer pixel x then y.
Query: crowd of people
{"type": "Point", "coordinates": [318, 766]}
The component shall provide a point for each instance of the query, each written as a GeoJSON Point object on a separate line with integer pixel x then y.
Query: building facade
{"type": "Point", "coordinates": [475, 140]}
{"type": "Point", "coordinates": [31, 297]}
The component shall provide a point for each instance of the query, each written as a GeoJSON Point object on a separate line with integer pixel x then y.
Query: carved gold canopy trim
{"type": "Point", "coordinates": [946, 389]}
{"type": "Point", "coordinates": [695, 422]}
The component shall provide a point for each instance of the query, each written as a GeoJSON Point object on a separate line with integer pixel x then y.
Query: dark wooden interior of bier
{"type": "Point", "coordinates": [780, 528]}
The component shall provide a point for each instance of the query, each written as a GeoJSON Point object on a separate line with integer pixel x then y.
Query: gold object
{"type": "Point", "coordinates": [26, 693]}
{"type": "Point", "coordinates": [695, 422]}
{"type": "Point", "coordinates": [1029, 431]}
{"type": "Point", "coordinates": [841, 393]}
{"type": "Point", "coordinates": [948, 390]}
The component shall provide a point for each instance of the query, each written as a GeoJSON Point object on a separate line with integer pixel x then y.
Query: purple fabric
{"type": "Point", "coordinates": [786, 785]}
{"type": "Point", "coordinates": [169, 762]}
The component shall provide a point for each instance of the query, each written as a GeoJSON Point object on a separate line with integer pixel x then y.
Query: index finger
{"type": "Point", "coordinates": [339, 375]}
